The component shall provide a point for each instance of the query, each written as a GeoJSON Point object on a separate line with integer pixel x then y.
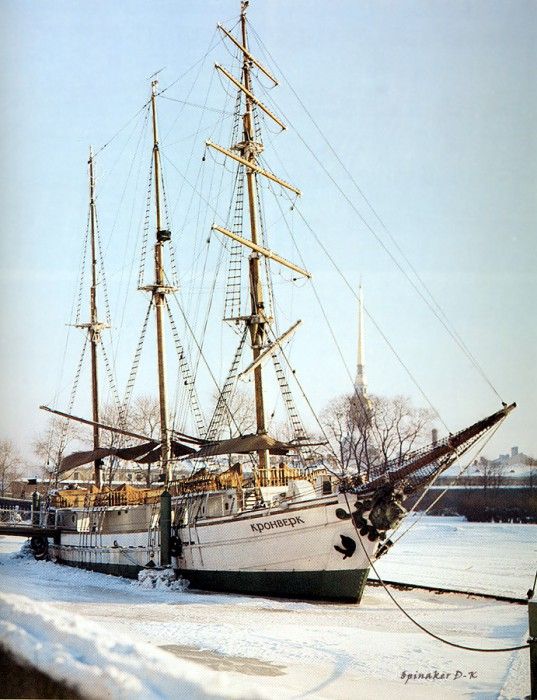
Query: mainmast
{"type": "Point", "coordinates": [249, 148]}
{"type": "Point", "coordinates": [159, 290]}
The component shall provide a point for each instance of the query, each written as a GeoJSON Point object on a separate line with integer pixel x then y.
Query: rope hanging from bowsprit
{"type": "Point", "coordinates": [412, 619]}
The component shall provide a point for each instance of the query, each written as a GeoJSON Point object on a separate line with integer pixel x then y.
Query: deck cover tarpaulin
{"type": "Point", "coordinates": [146, 453]}
{"type": "Point", "coordinates": [243, 445]}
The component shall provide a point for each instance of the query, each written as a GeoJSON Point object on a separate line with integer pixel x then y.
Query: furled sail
{"type": "Point", "coordinates": [243, 445]}
{"type": "Point", "coordinates": [146, 453]}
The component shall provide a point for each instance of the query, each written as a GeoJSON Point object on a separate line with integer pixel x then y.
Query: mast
{"type": "Point", "coordinates": [159, 291]}
{"type": "Point", "coordinates": [94, 332]}
{"type": "Point", "coordinates": [249, 150]}
{"type": "Point", "coordinates": [246, 153]}
{"type": "Point", "coordinates": [94, 326]}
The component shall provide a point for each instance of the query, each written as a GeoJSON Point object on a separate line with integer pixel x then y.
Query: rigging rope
{"type": "Point", "coordinates": [136, 359]}
{"type": "Point", "coordinates": [82, 272]}
{"type": "Point", "coordinates": [371, 318]}
{"type": "Point", "coordinates": [428, 297]}
{"type": "Point", "coordinates": [356, 394]}
{"type": "Point", "coordinates": [191, 154]}
{"type": "Point", "coordinates": [65, 423]}
{"type": "Point", "coordinates": [119, 131]}
{"type": "Point", "coordinates": [443, 493]}
{"type": "Point", "coordinates": [222, 112]}
{"type": "Point", "coordinates": [204, 227]}
{"type": "Point", "coordinates": [199, 347]}
{"type": "Point", "coordinates": [112, 383]}
{"type": "Point", "coordinates": [127, 246]}
{"type": "Point", "coordinates": [102, 272]}
{"type": "Point", "coordinates": [145, 228]}
{"type": "Point", "coordinates": [211, 207]}
{"type": "Point", "coordinates": [188, 379]}
{"type": "Point", "coordinates": [232, 300]}
{"type": "Point", "coordinates": [212, 45]}
{"type": "Point", "coordinates": [412, 619]}
{"type": "Point", "coordinates": [171, 247]}
{"type": "Point", "coordinates": [225, 396]}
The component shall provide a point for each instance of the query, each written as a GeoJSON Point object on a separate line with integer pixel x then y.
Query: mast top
{"type": "Point", "coordinates": [91, 181]}
{"type": "Point", "coordinates": [244, 7]}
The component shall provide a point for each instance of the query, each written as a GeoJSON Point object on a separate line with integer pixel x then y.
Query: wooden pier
{"type": "Point", "coordinates": [27, 530]}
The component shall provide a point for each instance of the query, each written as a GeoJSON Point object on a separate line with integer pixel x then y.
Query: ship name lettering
{"type": "Point", "coordinates": [282, 522]}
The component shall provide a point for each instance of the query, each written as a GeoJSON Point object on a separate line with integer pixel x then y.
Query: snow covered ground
{"type": "Point", "coordinates": [104, 632]}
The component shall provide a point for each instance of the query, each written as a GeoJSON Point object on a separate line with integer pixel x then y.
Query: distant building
{"type": "Point", "coordinates": [515, 468]}
{"type": "Point", "coordinates": [501, 489]}
{"type": "Point", "coordinates": [82, 477]}
{"type": "Point", "coordinates": [515, 464]}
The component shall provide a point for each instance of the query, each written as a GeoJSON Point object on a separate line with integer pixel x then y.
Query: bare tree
{"type": "Point", "coordinates": [238, 414]}
{"type": "Point", "coordinates": [145, 419]}
{"type": "Point", "coordinates": [54, 444]}
{"type": "Point", "coordinates": [492, 473]}
{"type": "Point", "coordinates": [10, 465]}
{"type": "Point", "coordinates": [50, 447]}
{"type": "Point", "coordinates": [532, 468]}
{"type": "Point", "coordinates": [243, 410]}
{"type": "Point", "coordinates": [142, 417]}
{"type": "Point", "coordinates": [343, 432]}
{"type": "Point", "coordinates": [366, 434]}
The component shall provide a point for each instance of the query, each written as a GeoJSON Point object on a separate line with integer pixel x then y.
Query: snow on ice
{"type": "Point", "coordinates": [161, 580]}
{"type": "Point", "coordinates": [74, 650]}
{"type": "Point", "coordinates": [106, 632]}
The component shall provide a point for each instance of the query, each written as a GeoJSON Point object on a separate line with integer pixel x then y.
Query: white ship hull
{"type": "Point", "coordinates": [303, 550]}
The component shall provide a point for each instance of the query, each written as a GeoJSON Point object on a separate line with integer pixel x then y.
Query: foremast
{"type": "Point", "coordinates": [246, 153]}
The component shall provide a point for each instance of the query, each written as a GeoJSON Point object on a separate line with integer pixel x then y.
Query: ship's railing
{"type": "Point", "coordinates": [85, 499]}
{"type": "Point", "coordinates": [15, 514]}
{"type": "Point", "coordinates": [281, 474]}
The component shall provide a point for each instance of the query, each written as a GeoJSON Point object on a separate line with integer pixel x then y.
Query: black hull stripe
{"type": "Point", "coordinates": [340, 586]}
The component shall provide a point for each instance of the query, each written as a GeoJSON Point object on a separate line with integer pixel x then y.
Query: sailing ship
{"type": "Point", "coordinates": [278, 528]}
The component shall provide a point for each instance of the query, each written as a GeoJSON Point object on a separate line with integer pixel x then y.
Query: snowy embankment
{"type": "Point", "coordinates": [285, 648]}
{"type": "Point", "coordinates": [96, 664]}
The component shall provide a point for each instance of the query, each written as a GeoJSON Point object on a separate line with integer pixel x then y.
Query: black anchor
{"type": "Point", "coordinates": [348, 546]}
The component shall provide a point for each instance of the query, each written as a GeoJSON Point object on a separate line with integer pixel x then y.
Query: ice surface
{"type": "Point", "coordinates": [495, 558]}
{"type": "Point", "coordinates": [74, 650]}
{"type": "Point", "coordinates": [291, 648]}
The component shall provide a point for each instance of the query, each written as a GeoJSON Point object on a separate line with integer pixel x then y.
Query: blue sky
{"type": "Point", "coordinates": [430, 105]}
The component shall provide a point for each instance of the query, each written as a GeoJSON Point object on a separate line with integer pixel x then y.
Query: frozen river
{"type": "Point", "coordinates": [105, 630]}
